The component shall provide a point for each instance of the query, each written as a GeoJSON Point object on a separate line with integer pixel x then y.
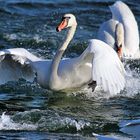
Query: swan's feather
{"type": "Point", "coordinates": [16, 64]}
{"type": "Point", "coordinates": [121, 13]}
{"type": "Point", "coordinates": [106, 32]}
{"type": "Point", "coordinates": [107, 69]}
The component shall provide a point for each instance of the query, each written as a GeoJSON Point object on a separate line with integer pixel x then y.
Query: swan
{"type": "Point", "coordinates": [121, 32]}
{"type": "Point", "coordinates": [98, 65]}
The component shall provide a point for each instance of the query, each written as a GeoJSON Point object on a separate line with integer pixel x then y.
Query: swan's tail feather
{"type": "Point", "coordinates": [108, 70]}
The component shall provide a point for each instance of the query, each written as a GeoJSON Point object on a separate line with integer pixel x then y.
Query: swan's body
{"type": "Point", "coordinates": [128, 30]}
{"type": "Point", "coordinates": [99, 62]}
{"type": "Point", "coordinates": [23, 64]}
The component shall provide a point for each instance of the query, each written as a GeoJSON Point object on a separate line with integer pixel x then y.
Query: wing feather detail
{"type": "Point", "coordinates": [16, 64]}
{"type": "Point", "coordinates": [107, 69]}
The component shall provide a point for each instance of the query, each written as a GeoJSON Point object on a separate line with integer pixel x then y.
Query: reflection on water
{"type": "Point", "coordinates": [40, 113]}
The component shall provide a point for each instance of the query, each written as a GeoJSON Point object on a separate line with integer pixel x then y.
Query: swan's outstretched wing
{"type": "Point", "coordinates": [16, 63]}
{"type": "Point", "coordinates": [107, 69]}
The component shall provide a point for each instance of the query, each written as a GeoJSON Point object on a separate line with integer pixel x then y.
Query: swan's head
{"type": "Point", "coordinates": [68, 20]}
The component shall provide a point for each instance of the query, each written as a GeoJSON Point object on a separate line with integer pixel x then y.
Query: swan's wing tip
{"type": "Point", "coordinates": [13, 67]}
{"type": "Point", "coordinates": [108, 70]}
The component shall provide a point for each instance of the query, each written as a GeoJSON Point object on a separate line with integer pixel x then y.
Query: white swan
{"type": "Point", "coordinates": [99, 62]}
{"type": "Point", "coordinates": [121, 32]}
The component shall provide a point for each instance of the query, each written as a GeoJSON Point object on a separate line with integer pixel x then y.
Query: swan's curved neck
{"type": "Point", "coordinates": [68, 38]}
{"type": "Point", "coordinates": [57, 58]}
{"type": "Point", "coordinates": [119, 35]}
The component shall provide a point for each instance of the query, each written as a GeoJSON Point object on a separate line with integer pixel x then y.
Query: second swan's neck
{"type": "Point", "coordinates": [57, 58]}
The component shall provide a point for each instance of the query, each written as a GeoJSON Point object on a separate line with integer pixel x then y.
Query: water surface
{"type": "Point", "coordinates": [31, 112]}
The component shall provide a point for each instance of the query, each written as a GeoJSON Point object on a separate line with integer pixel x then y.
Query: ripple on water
{"type": "Point", "coordinates": [6, 123]}
{"type": "Point", "coordinates": [31, 25]}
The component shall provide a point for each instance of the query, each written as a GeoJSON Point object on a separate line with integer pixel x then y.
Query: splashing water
{"type": "Point", "coordinates": [78, 124]}
{"type": "Point", "coordinates": [132, 79]}
{"type": "Point", "coordinates": [132, 87]}
{"type": "Point", "coordinates": [31, 25]}
{"type": "Point", "coordinates": [42, 121]}
{"type": "Point", "coordinates": [6, 123]}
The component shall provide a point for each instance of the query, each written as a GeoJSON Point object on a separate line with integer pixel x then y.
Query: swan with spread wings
{"type": "Point", "coordinates": [99, 64]}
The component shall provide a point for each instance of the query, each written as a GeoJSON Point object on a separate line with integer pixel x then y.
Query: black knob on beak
{"type": "Point", "coordinates": [57, 29]}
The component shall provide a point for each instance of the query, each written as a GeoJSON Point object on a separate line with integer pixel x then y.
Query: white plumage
{"type": "Point", "coordinates": [107, 69]}
{"type": "Point", "coordinates": [121, 13]}
{"type": "Point", "coordinates": [99, 62]}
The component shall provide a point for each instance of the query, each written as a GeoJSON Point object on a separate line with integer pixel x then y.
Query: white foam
{"type": "Point", "coordinates": [78, 124]}
{"type": "Point", "coordinates": [49, 122]}
{"type": "Point", "coordinates": [6, 123]}
{"type": "Point", "coordinates": [132, 83]}
{"type": "Point", "coordinates": [14, 36]}
{"type": "Point", "coordinates": [11, 36]}
{"type": "Point", "coordinates": [37, 38]}
{"type": "Point", "coordinates": [98, 93]}
{"type": "Point", "coordinates": [132, 87]}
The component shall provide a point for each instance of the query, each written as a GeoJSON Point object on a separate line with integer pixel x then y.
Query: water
{"type": "Point", "coordinates": [31, 112]}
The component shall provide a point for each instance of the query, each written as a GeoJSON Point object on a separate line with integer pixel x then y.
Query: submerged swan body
{"type": "Point", "coordinates": [99, 62]}
{"type": "Point", "coordinates": [121, 31]}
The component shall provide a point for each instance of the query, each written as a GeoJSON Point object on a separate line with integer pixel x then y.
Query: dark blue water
{"type": "Point", "coordinates": [32, 112]}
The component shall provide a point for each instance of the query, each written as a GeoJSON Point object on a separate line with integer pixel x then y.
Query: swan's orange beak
{"type": "Point", "coordinates": [119, 51]}
{"type": "Point", "coordinates": [62, 25]}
